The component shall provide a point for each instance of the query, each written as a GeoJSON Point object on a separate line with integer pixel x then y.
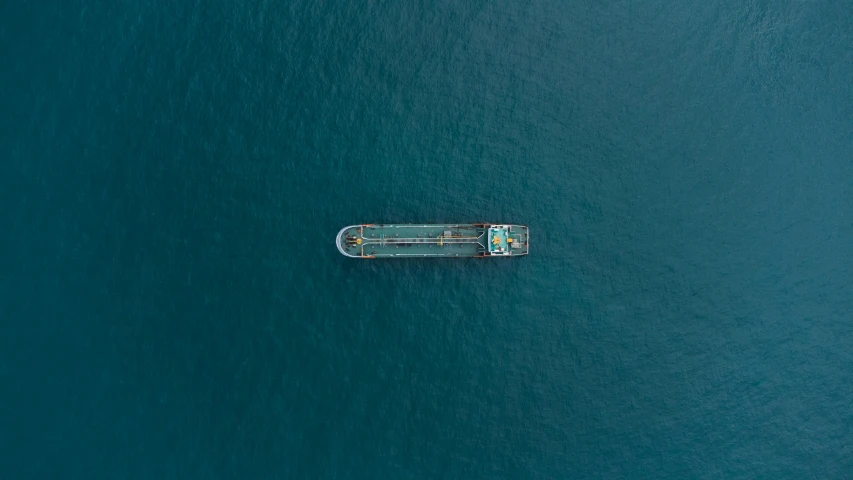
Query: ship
{"type": "Point", "coordinates": [480, 240]}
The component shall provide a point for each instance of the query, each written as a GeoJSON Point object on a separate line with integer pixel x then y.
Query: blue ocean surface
{"type": "Point", "coordinates": [173, 174]}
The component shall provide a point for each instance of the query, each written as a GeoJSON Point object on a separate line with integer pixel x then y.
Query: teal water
{"type": "Point", "coordinates": [173, 175]}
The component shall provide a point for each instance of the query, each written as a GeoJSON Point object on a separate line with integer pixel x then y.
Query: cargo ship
{"type": "Point", "coordinates": [481, 240]}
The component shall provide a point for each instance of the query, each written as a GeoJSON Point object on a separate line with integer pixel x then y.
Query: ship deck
{"type": "Point", "coordinates": [398, 240]}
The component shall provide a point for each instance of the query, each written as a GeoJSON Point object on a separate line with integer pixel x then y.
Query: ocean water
{"type": "Point", "coordinates": [173, 174]}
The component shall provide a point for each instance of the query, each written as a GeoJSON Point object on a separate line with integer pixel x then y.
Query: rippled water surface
{"type": "Point", "coordinates": [174, 172]}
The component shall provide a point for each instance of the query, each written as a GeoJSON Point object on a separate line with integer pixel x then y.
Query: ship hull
{"type": "Point", "coordinates": [482, 240]}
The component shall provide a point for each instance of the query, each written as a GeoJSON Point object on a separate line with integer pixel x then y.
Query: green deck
{"type": "Point", "coordinates": [460, 240]}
